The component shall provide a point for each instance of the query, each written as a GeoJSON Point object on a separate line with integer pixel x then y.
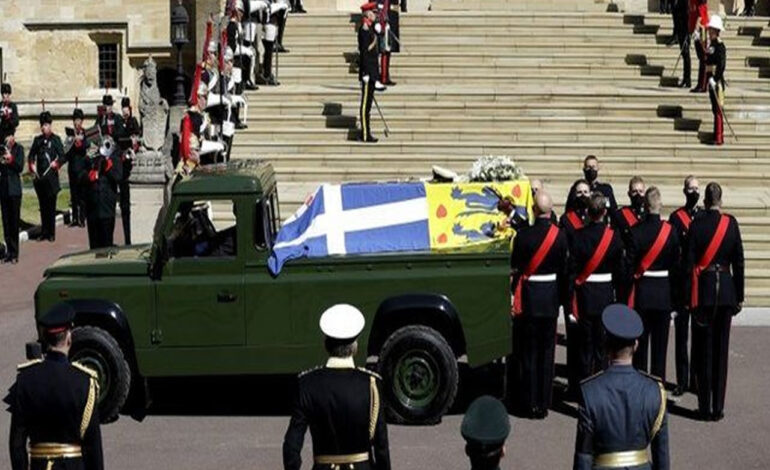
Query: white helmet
{"type": "Point", "coordinates": [716, 23]}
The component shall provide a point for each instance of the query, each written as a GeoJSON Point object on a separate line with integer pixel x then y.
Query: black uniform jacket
{"type": "Point", "coordinates": [336, 403]}
{"type": "Point", "coordinates": [622, 224]}
{"type": "Point", "coordinates": [653, 293]}
{"type": "Point", "coordinates": [568, 227]}
{"type": "Point", "coordinates": [76, 158]}
{"type": "Point", "coordinates": [730, 288]}
{"type": "Point", "coordinates": [621, 407]}
{"type": "Point", "coordinates": [44, 151]}
{"type": "Point", "coordinates": [592, 297]}
{"type": "Point", "coordinates": [717, 55]}
{"type": "Point", "coordinates": [111, 124]}
{"type": "Point", "coordinates": [8, 122]}
{"type": "Point", "coordinates": [540, 299]}
{"type": "Point", "coordinates": [606, 189]}
{"type": "Point", "coordinates": [679, 272]}
{"type": "Point", "coordinates": [102, 194]}
{"type": "Point", "coordinates": [48, 404]}
{"type": "Point", "coordinates": [10, 182]}
{"type": "Point", "coordinates": [367, 58]}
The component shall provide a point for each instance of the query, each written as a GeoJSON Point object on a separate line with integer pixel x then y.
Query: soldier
{"type": "Point", "coordinates": [591, 174]}
{"type": "Point", "coordinates": [696, 27]}
{"type": "Point", "coordinates": [748, 8]}
{"type": "Point", "coordinates": [623, 411]}
{"type": "Point", "coordinates": [110, 124]}
{"type": "Point", "coordinates": [244, 54]}
{"type": "Point", "coordinates": [539, 282]}
{"type": "Point", "coordinates": [682, 38]}
{"type": "Point", "coordinates": [653, 252]}
{"type": "Point", "coordinates": [46, 156]}
{"type": "Point", "coordinates": [485, 428]}
{"type": "Point", "coordinates": [368, 72]}
{"type": "Point", "coordinates": [596, 276]}
{"type": "Point", "coordinates": [11, 166]}
{"type": "Point", "coordinates": [100, 178]}
{"type": "Point", "coordinates": [76, 161]}
{"type": "Point", "coordinates": [340, 403]}
{"type": "Point", "coordinates": [53, 405]}
{"type": "Point", "coordinates": [9, 113]}
{"type": "Point", "coordinates": [628, 216]}
{"type": "Point", "coordinates": [129, 145]}
{"type": "Point", "coordinates": [716, 266]}
{"type": "Point", "coordinates": [716, 60]}
{"type": "Point", "coordinates": [387, 27]}
{"type": "Point", "coordinates": [680, 220]}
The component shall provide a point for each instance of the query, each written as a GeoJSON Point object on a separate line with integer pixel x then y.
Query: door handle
{"type": "Point", "coordinates": [226, 297]}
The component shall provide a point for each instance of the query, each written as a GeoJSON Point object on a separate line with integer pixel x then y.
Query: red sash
{"type": "Point", "coordinates": [649, 258]}
{"type": "Point", "coordinates": [574, 219]}
{"type": "Point", "coordinates": [593, 263]}
{"type": "Point", "coordinates": [684, 217]}
{"type": "Point", "coordinates": [707, 257]}
{"type": "Point", "coordinates": [630, 217]}
{"type": "Point", "coordinates": [534, 263]}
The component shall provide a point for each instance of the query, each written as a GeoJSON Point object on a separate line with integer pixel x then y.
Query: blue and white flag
{"type": "Point", "coordinates": [355, 218]}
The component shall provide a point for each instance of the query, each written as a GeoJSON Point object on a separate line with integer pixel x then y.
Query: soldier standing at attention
{"type": "Point", "coordinates": [680, 220]}
{"type": "Point", "coordinates": [129, 145]}
{"type": "Point", "coordinates": [76, 161]}
{"type": "Point", "coordinates": [54, 405]}
{"type": "Point", "coordinates": [368, 68]}
{"type": "Point", "coordinates": [46, 156]}
{"type": "Point", "coordinates": [716, 61]}
{"type": "Point", "coordinates": [9, 113]}
{"type": "Point", "coordinates": [653, 252]}
{"type": "Point", "coordinates": [340, 403]}
{"type": "Point", "coordinates": [716, 266]}
{"type": "Point", "coordinates": [591, 174]}
{"type": "Point", "coordinates": [539, 282]}
{"type": "Point", "coordinates": [627, 217]}
{"type": "Point", "coordinates": [485, 428]}
{"type": "Point", "coordinates": [11, 166]}
{"type": "Point", "coordinates": [623, 411]}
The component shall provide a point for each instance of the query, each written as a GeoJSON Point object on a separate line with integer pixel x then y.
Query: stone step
{"type": "Point", "coordinates": [507, 5]}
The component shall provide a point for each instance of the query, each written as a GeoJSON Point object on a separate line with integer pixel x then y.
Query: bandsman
{"type": "Point", "coordinates": [9, 113]}
{"type": "Point", "coordinates": [340, 403]}
{"type": "Point", "coordinates": [623, 411]}
{"type": "Point", "coordinates": [716, 266]}
{"type": "Point", "coordinates": [46, 157]}
{"type": "Point", "coordinates": [11, 166]}
{"type": "Point", "coordinates": [100, 178]}
{"type": "Point", "coordinates": [110, 124]}
{"type": "Point", "coordinates": [54, 405]}
{"type": "Point", "coordinates": [76, 162]}
{"type": "Point", "coordinates": [539, 284]}
{"type": "Point", "coordinates": [653, 253]}
{"type": "Point", "coordinates": [680, 220]}
{"type": "Point", "coordinates": [368, 68]}
{"type": "Point", "coordinates": [129, 145]}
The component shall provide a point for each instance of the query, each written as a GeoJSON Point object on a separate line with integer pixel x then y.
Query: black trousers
{"type": "Point", "coordinates": [711, 343]}
{"type": "Point", "coordinates": [11, 208]}
{"type": "Point", "coordinates": [365, 111]}
{"type": "Point", "coordinates": [100, 231]}
{"type": "Point", "coordinates": [77, 203]}
{"type": "Point", "coordinates": [592, 355]}
{"type": "Point", "coordinates": [537, 342]}
{"type": "Point", "coordinates": [124, 192]}
{"type": "Point", "coordinates": [653, 342]}
{"type": "Point", "coordinates": [681, 337]}
{"type": "Point", "coordinates": [701, 65]}
{"type": "Point", "coordinates": [46, 198]}
{"type": "Point", "coordinates": [573, 354]}
{"type": "Point", "coordinates": [57, 464]}
{"type": "Point", "coordinates": [683, 39]}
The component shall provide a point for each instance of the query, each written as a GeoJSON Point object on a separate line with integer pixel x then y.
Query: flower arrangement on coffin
{"type": "Point", "coordinates": [495, 168]}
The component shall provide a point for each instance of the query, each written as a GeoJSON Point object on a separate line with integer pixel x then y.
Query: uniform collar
{"type": "Point", "coordinates": [622, 368]}
{"type": "Point", "coordinates": [340, 363]}
{"type": "Point", "coordinates": [543, 220]}
{"type": "Point", "coordinates": [652, 216]}
{"type": "Point", "coordinates": [56, 356]}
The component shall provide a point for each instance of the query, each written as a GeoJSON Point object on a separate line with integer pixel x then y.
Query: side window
{"type": "Point", "coordinates": [203, 229]}
{"type": "Point", "coordinates": [265, 222]}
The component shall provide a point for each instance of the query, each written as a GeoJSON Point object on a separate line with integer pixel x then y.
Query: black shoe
{"type": "Point", "coordinates": [241, 125]}
{"type": "Point", "coordinates": [280, 48]}
{"type": "Point", "coordinates": [370, 140]}
{"type": "Point", "coordinates": [684, 84]}
{"type": "Point", "coordinates": [52, 238]}
{"type": "Point", "coordinates": [251, 86]}
{"type": "Point", "coordinates": [390, 83]}
{"type": "Point", "coordinates": [678, 391]}
{"type": "Point", "coordinates": [717, 416]}
{"type": "Point", "coordinates": [14, 260]}
{"type": "Point", "coordinates": [671, 41]}
{"type": "Point", "coordinates": [697, 90]}
{"type": "Point", "coordinates": [270, 80]}
{"type": "Point", "coordinates": [300, 10]}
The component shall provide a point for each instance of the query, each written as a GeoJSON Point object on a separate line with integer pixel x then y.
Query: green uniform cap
{"type": "Point", "coordinates": [486, 422]}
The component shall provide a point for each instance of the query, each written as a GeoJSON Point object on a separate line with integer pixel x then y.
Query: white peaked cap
{"type": "Point", "coordinates": [716, 23]}
{"type": "Point", "coordinates": [342, 321]}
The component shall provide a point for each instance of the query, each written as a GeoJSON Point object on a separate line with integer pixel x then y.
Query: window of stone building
{"type": "Point", "coordinates": [109, 65]}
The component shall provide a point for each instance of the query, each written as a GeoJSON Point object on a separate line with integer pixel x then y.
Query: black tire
{"type": "Point", "coordinates": [98, 350]}
{"type": "Point", "coordinates": [420, 375]}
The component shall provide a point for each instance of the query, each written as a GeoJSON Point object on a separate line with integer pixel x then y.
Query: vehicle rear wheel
{"type": "Point", "coordinates": [420, 375]}
{"type": "Point", "coordinates": [99, 351]}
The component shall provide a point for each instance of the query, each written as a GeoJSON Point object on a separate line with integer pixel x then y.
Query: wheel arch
{"type": "Point", "coordinates": [432, 310]}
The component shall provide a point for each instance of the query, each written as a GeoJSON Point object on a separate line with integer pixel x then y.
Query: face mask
{"type": "Point", "coordinates": [637, 201]}
{"type": "Point", "coordinates": [590, 174]}
{"type": "Point", "coordinates": [581, 202]}
{"type": "Point", "coordinates": [692, 199]}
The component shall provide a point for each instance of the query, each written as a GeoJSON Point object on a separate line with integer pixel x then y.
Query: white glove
{"type": "Point", "coordinates": [378, 28]}
{"type": "Point", "coordinates": [674, 314]}
{"type": "Point", "coordinates": [365, 78]}
{"type": "Point", "coordinates": [712, 83]}
{"type": "Point", "coordinates": [572, 318]}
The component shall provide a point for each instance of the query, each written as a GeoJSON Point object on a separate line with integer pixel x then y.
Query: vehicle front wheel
{"type": "Point", "coordinates": [420, 375]}
{"type": "Point", "coordinates": [99, 351]}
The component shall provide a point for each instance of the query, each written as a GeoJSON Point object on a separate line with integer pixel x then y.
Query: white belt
{"type": "Point", "coordinates": [605, 277]}
{"type": "Point", "coordinates": [655, 274]}
{"type": "Point", "coordinates": [542, 277]}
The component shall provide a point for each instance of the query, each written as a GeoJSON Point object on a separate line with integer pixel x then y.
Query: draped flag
{"type": "Point", "coordinates": [358, 218]}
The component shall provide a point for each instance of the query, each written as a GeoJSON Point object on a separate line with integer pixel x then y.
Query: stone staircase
{"type": "Point", "coordinates": [544, 82]}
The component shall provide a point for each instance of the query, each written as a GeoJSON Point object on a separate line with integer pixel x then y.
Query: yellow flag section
{"type": "Point", "coordinates": [462, 214]}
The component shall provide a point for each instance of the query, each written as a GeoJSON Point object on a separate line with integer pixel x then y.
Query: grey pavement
{"type": "Point", "coordinates": [180, 435]}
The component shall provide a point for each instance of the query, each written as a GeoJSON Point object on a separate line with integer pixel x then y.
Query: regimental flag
{"type": "Point", "coordinates": [386, 217]}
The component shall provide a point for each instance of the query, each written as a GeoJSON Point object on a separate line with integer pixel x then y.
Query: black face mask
{"type": "Point", "coordinates": [590, 174]}
{"type": "Point", "coordinates": [581, 202]}
{"type": "Point", "coordinates": [637, 201]}
{"type": "Point", "coordinates": [692, 199]}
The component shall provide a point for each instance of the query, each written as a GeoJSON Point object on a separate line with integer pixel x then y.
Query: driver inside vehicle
{"type": "Point", "coordinates": [194, 234]}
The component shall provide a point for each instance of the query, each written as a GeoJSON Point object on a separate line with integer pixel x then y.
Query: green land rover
{"type": "Point", "coordinates": [199, 302]}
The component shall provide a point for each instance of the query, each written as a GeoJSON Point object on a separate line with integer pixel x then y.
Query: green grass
{"type": "Point", "coordinates": [30, 209]}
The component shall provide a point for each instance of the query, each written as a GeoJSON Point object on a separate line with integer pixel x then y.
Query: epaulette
{"type": "Point", "coordinates": [305, 372]}
{"type": "Point", "coordinates": [588, 379]}
{"type": "Point", "coordinates": [370, 372]}
{"type": "Point", "coordinates": [85, 369]}
{"type": "Point", "coordinates": [653, 377]}
{"type": "Point", "coordinates": [24, 365]}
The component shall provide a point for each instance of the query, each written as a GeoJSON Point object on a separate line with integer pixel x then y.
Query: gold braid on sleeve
{"type": "Point", "coordinates": [89, 410]}
{"type": "Point", "coordinates": [374, 406]}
